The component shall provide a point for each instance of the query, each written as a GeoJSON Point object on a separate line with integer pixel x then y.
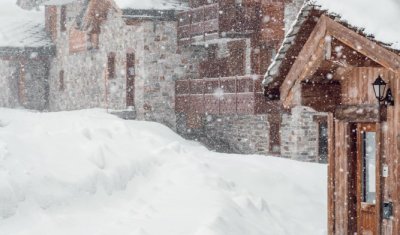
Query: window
{"type": "Point", "coordinates": [94, 40]}
{"type": "Point", "coordinates": [111, 65]}
{"type": "Point", "coordinates": [323, 142]}
{"type": "Point", "coordinates": [61, 80]}
{"type": "Point", "coordinates": [63, 18]}
{"type": "Point", "coordinates": [368, 166]}
{"type": "Point", "coordinates": [322, 125]}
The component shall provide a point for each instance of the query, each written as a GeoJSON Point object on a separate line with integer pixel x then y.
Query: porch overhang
{"type": "Point", "coordinates": [314, 51]}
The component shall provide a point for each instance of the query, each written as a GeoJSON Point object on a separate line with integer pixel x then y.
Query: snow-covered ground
{"type": "Point", "coordinates": [88, 172]}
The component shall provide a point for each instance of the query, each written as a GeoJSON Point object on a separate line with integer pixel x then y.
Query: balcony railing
{"type": "Point", "coordinates": [211, 21]}
{"type": "Point", "coordinates": [229, 95]}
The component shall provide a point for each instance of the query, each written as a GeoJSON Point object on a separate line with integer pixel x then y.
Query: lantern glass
{"type": "Point", "coordinates": [379, 88]}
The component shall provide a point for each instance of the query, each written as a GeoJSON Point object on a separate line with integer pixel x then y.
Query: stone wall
{"type": "Point", "coordinates": [245, 134]}
{"type": "Point", "coordinates": [32, 91]}
{"type": "Point", "coordinates": [8, 84]}
{"type": "Point", "coordinates": [299, 134]}
{"type": "Point", "coordinates": [36, 84]}
{"type": "Point", "coordinates": [85, 80]}
{"type": "Point", "coordinates": [158, 63]}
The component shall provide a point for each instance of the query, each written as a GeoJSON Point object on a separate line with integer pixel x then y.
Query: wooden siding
{"type": "Point", "coordinates": [357, 88]}
{"type": "Point", "coordinates": [210, 20]}
{"type": "Point", "coordinates": [331, 174]}
{"type": "Point", "coordinates": [198, 22]}
{"type": "Point", "coordinates": [341, 177]}
{"type": "Point", "coordinates": [391, 184]}
{"type": "Point", "coordinates": [340, 213]}
{"type": "Point", "coordinates": [315, 95]}
{"type": "Point", "coordinates": [310, 55]}
{"type": "Point", "coordinates": [239, 95]}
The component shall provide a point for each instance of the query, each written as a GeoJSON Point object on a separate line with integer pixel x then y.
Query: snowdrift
{"type": "Point", "coordinates": [88, 172]}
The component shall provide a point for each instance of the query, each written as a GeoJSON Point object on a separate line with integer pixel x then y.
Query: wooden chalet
{"type": "Point", "coordinates": [330, 66]}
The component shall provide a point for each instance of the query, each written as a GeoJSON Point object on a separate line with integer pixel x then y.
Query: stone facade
{"type": "Point", "coordinates": [245, 134]}
{"type": "Point", "coordinates": [79, 79]}
{"type": "Point", "coordinates": [24, 84]}
{"type": "Point", "coordinates": [85, 82]}
{"type": "Point", "coordinates": [8, 84]}
{"type": "Point", "coordinates": [300, 134]}
{"type": "Point", "coordinates": [158, 63]}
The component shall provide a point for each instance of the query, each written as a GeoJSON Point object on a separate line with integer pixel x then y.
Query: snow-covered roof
{"type": "Point", "coordinates": [21, 28]}
{"type": "Point", "coordinates": [151, 4]}
{"type": "Point", "coordinates": [379, 18]}
{"type": "Point", "coordinates": [58, 2]}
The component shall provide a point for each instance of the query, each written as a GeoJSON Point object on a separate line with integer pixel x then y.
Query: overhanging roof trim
{"type": "Point", "coordinates": [273, 69]}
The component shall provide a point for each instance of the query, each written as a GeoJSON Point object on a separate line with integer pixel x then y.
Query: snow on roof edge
{"type": "Point", "coordinates": [275, 62]}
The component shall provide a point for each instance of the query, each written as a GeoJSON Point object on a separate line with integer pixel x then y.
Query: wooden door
{"type": "Point", "coordinates": [368, 189]}
{"type": "Point", "coordinates": [130, 79]}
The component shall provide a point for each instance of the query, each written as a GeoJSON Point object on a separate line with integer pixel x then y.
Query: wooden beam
{"type": "Point", "coordinates": [359, 113]}
{"type": "Point", "coordinates": [363, 45]}
{"type": "Point", "coordinates": [304, 57]}
{"type": "Point", "coordinates": [331, 174]}
{"type": "Point", "coordinates": [310, 68]}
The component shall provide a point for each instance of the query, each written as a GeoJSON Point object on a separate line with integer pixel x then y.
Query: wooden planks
{"type": "Point", "coordinates": [395, 156]}
{"type": "Point", "coordinates": [359, 113]}
{"type": "Point", "coordinates": [363, 45]}
{"type": "Point", "coordinates": [323, 97]}
{"type": "Point", "coordinates": [305, 56]}
{"type": "Point", "coordinates": [341, 169]}
{"type": "Point", "coordinates": [231, 95]}
{"type": "Point", "coordinates": [356, 85]}
{"type": "Point", "coordinates": [309, 55]}
{"type": "Point", "coordinates": [331, 174]}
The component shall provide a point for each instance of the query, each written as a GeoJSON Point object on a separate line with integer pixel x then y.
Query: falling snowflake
{"type": "Point", "coordinates": [328, 39]}
{"type": "Point", "coordinates": [219, 93]}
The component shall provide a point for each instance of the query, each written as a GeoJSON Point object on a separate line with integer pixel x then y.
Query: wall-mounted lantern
{"type": "Point", "coordinates": [379, 89]}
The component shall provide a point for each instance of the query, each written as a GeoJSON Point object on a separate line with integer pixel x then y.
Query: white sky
{"type": "Point", "coordinates": [379, 17]}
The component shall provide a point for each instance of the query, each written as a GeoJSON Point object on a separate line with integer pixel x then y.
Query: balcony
{"type": "Point", "coordinates": [210, 22]}
{"type": "Point", "coordinates": [228, 95]}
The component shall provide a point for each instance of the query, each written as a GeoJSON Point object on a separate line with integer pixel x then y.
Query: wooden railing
{"type": "Point", "coordinates": [228, 95]}
{"type": "Point", "coordinates": [210, 21]}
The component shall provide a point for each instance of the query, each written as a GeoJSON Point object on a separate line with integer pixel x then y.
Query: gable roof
{"type": "Point", "coordinates": [378, 18]}
{"type": "Point", "coordinates": [311, 26]}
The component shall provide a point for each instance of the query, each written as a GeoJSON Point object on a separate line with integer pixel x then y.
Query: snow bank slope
{"type": "Point", "coordinates": [87, 172]}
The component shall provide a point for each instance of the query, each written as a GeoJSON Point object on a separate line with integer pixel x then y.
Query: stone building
{"type": "Point", "coordinates": [115, 56]}
{"type": "Point", "coordinates": [25, 52]}
{"type": "Point", "coordinates": [194, 66]}
{"type": "Point", "coordinates": [223, 104]}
